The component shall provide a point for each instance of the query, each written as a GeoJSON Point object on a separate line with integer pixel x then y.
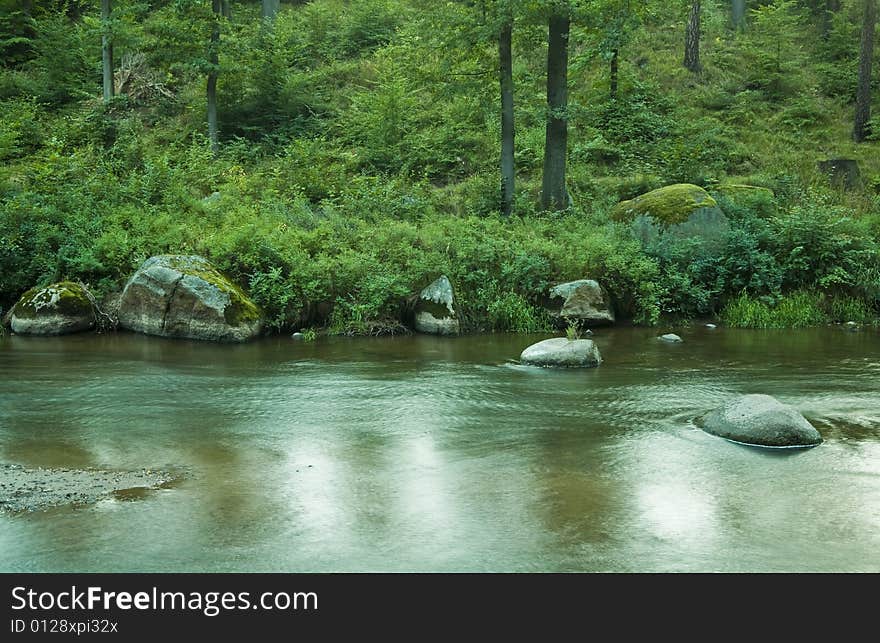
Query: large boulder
{"type": "Point", "coordinates": [561, 351]}
{"type": "Point", "coordinates": [585, 301]}
{"type": "Point", "coordinates": [434, 314]}
{"type": "Point", "coordinates": [761, 420]}
{"type": "Point", "coordinates": [57, 309]}
{"type": "Point", "coordinates": [187, 297]}
{"type": "Point", "coordinates": [681, 210]}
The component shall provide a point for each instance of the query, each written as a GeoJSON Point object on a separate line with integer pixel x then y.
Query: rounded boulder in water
{"type": "Point", "coordinates": [761, 420]}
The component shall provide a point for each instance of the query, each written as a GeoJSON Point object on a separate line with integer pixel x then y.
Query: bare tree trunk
{"type": "Point", "coordinates": [226, 9]}
{"type": "Point", "coordinates": [554, 195]}
{"type": "Point", "coordinates": [615, 61]}
{"type": "Point", "coordinates": [508, 169]}
{"type": "Point", "coordinates": [692, 40]}
{"type": "Point", "coordinates": [739, 14]}
{"type": "Point", "coordinates": [861, 128]}
{"type": "Point", "coordinates": [214, 59]}
{"type": "Point", "coordinates": [270, 9]}
{"type": "Point", "coordinates": [831, 7]}
{"type": "Point", "coordinates": [107, 50]}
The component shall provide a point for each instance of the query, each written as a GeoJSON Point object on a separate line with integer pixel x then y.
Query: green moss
{"type": "Point", "coordinates": [670, 204]}
{"type": "Point", "coordinates": [240, 309]}
{"type": "Point", "coordinates": [70, 299]}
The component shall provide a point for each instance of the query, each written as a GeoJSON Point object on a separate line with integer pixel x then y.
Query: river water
{"type": "Point", "coordinates": [431, 454]}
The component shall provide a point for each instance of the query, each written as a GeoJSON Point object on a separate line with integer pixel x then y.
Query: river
{"type": "Point", "coordinates": [432, 454]}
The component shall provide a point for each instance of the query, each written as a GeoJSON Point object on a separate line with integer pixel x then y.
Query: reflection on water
{"type": "Point", "coordinates": [424, 453]}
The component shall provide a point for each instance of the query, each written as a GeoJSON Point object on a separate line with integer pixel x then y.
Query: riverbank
{"type": "Point", "coordinates": [25, 490]}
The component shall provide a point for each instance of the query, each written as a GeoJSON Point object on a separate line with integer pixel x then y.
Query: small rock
{"type": "Point", "coordinates": [711, 326]}
{"type": "Point", "coordinates": [852, 326]}
{"type": "Point", "coordinates": [670, 337]}
{"type": "Point", "coordinates": [298, 336]}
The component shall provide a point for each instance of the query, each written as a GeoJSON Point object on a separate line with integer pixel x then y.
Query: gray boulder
{"type": "Point", "coordinates": [680, 211]}
{"type": "Point", "coordinates": [187, 297]}
{"type": "Point", "coordinates": [672, 338]}
{"type": "Point", "coordinates": [584, 300]}
{"type": "Point", "coordinates": [57, 309]}
{"type": "Point", "coordinates": [561, 351]}
{"type": "Point", "coordinates": [434, 314]}
{"type": "Point", "coordinates": [761, 420]}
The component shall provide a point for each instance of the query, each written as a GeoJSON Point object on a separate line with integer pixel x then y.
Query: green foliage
{"type": "Point", "coordinates": [360, 149]}
{"type": "Point", "coordinates": [797, 310]}
{"type": "Point", "coordinates": [572, 331]}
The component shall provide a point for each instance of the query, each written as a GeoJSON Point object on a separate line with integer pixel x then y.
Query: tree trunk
{"type": "Point", "coordinates": [226, 9]}
{"type": "Point", "coordinates": [831, 7]}
{"type": "Point", "coordinates": [270, 9]}
{"type": "Point", "coordinates": [106, 50]}
{"type": "Point", "coordinates": [508, 170]}
{"type": "Point", "coordinates": [554, 195]}
{"type": "Point", "coordinates": [214, 59]}
{"type": "Point", "coordinates": [739, 14]}
{"type": "Point", "coordinates": [692, 40]}
{"type": "Point", "coordinates": [863, 97]}
{"type": "Point", "coordinates": [615, 60]}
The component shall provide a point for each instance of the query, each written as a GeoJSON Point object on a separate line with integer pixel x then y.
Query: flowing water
{"type": "Point", "coordinates": [431, 454]}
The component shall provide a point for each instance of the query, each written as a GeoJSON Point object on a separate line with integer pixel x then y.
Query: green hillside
{"type": "Point", "coordinates": [358, 154]}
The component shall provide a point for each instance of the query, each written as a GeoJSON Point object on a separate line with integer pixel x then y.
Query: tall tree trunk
{"type": "Point", "coordinates": [615, 62]}
{"type": "Point", "coordinates": [226, 9]}
{"type": "Point", "coordinates": [739, 14]}
{"type": "Point", "coordinates": [214, 59]}
{"type": "Point", "coordinates": [863, 97]}
{"type": "Point", "coordinates": [831, 7]}
{"type": "Point", "coordinates": [692, 39]}
{"type": "Point", "coordinates": [508, 170]}
{"type": "Point", "coordinates": [271, 8]}
{"type": "Point", "coordinates": [554, 195]}
{"type": "Point", "coordinates": [106, 49]}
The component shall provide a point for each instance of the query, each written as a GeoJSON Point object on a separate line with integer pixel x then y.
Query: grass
{"type": "Point", "coordinates": [799, 309]}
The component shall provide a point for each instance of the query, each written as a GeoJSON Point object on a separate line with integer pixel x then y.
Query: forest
{"type": "Point", "coordinates": [333, 157]}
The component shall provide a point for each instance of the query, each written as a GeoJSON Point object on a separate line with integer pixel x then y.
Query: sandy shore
{"type": "Point", "coordinates": [23, 489]}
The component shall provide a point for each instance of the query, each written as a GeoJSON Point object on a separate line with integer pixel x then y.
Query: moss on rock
{"type": "Point", "coordinates": [62, 298]}
{"type": "Point", "coordinates": [240, 309]}
{"type": "Point", "coordinates": [669, 205]}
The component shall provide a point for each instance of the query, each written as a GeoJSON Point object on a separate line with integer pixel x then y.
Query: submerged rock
{"type": "Point", "coordinates": [187, 297]}
{"type": "Point", "coordinates": [561, 351]}
{"type": "Point", "coordinates": [585, 301]}
{"type": "Point", "coordinates": [672, 338]}
{"type": "Point", "coordinates": [434, 314]}
{"type": "Point", "coordinates": [58, 309]}
{"type": "Point", "coordinates": [763, 421]}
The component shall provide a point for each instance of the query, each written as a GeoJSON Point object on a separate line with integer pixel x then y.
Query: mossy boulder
{"type": "Point", "coordinates": [584, 301]}
{"type": "Point", "coordinates": [57, 309]}
{"type": "Point", "coordinates": [434, 314]}
{"type": "Point", "coordinates": [670, 204]}
{"type": "Point", "coordinates": [185, 296]}
{"type": "Point", "coordinates": [680, 211]}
